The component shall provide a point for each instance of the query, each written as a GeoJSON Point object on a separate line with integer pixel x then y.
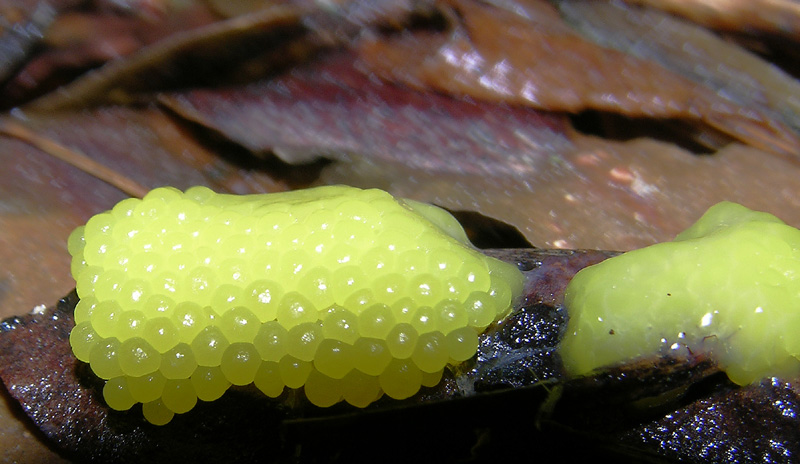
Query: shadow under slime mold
{"type": "Point", "coordinates": [511, 401]}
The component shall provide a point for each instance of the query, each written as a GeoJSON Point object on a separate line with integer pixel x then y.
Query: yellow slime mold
{"type": "Point", "coordinates": [729, 285]}
{"type": "Point", "coordinates": [348, 293]}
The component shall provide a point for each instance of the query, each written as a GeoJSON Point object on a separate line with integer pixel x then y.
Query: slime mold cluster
{"type": "Point", "coordinates": [728, 286]}
{"type": "Point", "coordinates": [348, 293]}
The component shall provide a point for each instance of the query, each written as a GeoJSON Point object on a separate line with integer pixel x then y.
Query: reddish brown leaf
{"type": "Point", "coordinates": [330, 108]}
{"type": "Point", "coordinates": [694, 53]}
{"type": "Point", "coordinates": [768, 17]}
{"type": "Point", "coordinates": [531, 57]}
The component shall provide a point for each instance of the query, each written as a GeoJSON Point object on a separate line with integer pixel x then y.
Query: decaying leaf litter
{"type": "Point", "coordinates": [495, 148]}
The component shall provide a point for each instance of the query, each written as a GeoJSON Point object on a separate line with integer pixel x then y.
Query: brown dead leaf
{"type": "Point", "coordinates": [82, 39]}
{"type": "Point", "coordinates": [767, 17]}
{"type": "Point", "coordinates": [525, 54]}
{"type": "Point", "coordinates": [211, 52]}
{"type": "Point", "coordinates": [598, 194]}
{"type": "Point", "coordinates": [330, 108]}
{"type": "Point", "coordinates": [694, 53]}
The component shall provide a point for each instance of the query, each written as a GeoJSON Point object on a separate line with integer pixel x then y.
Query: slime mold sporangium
{"type": "Point", "coordinates": [347, 293]}
{"type": "Point", "coordinates": [729, 286]}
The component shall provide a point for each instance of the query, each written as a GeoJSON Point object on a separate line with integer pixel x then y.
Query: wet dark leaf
{"type": "Point", "coordinates": [499, 405]}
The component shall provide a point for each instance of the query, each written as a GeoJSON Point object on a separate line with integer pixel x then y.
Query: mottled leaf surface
{"type": "Point", "coordinates": [523, 53]}
{"type": "Point", "coordinates": [330, 108]}
{"type": "Point", "coordinates": [596, 193]}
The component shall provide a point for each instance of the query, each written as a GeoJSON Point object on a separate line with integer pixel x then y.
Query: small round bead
{"type": "Point", "coordinates": [189, 320]}
{"type": "Point", "coordinates": [403, 310]}
{"type": "Point", "coordinates": [431, 379]}
{"type": "Point", "coordinates": [133, 294]}
{"type": "Point", "coordinates": [451, 316]}
{"type": "Point", "coordinates": [158, 306]}
{"type": "Point", "coordinates": [179, 395]}
{"type": "Point", "coordinates": [156, 413]}
{"type": "Point", "coordinates": [389, 288]}
{"type": "Point", "coordinates": [201, 283]}
{"type": "Point", "coordinates": [401, 379]}
{"type": "Point", "coordinates": [500, 292]}
{"type": "Point", "coordinates": [402, 340]}
{"type": "Point", "coordinates": [234, 271]}
{"type": "Point", "coordinates": [105, 318]}
{"type": "Point", "coordinates": [178, 363]}
{"type": "Point", "coordinates": [103, 358]}
{"type": "Point", "coordinates": [480, 309]}
{"type": "Point", "coordinates": [262, 297]}
{"type": "Point", "coordinates": [371, 356]}
{"type": "Point", "coordinates": [430, 354]}
{"type": "Point", "coordinates": [209, 383]}
{"type": "Point", "coordinates": [346, 280]}
{"type": "Point", "coordinates": [315, 285]}
{"type": "Point", "coordinates": [444, 261]}
{"type": "Point", "coordinates": [426, 289]}
{"type": "Point", "coordinates": [161, 333]}
{"type": "Point", "coordinates": [86, 281]}
{"type": "Point", "coordinates": [240, 363]}
{"type": "Point", "coordinates": [131, 324]}
{"type": "Point", "coordinates": [321, 390]}
{"type": "Point", "coordinates": [226, 297]}
{"type": "Point", "coordinates": [268, 379]}
{"type": "Point", "coordinates": [462, 343]}
{"type": "Point", "coordinates": [147, 387]}
{"type": "Point", "coordinates": [376, 321]}
{"type": "Point", "coordinates": [76, 241]}
{"type": "Point", "coordinates": [77, 266]}
{"type": "Point", "coordinates": [360, 389]}
{"type": "Point", "coordinates": [334, 358]}
{"type": "Point", "coordinates": [340, 324]}
{"type": "Point", "coordinates": [295, 309]}
{"type": "Point", "coordinates": [271, 341]}
{"type": "Point", "coordinates": [83, 338]}
{"type": "Point", "coordinates": [138, 358]}
{"type": "Point", "coordinates": [303, 340]}
{"type": "Point", "coordinates": [294, 372]}
{"type": "Point", "coordinates": [378, 261]}
{"type": "Point", "coordinates": [239, 324]}
{"type": "Point", "coordinates": [109, 285]}
{"type": "Point", "coordinates": [124, 208]}
{"type": "Point", "coordinates": [475, 272]}
{"type": "Point", "coordinates": [208, 346]}
{"type": "Point", "coordinates": [117, 394]}
{"type": "Point", "coordinates": [500, 271]}
{"type": "Point", "coordinates": [425, 320]}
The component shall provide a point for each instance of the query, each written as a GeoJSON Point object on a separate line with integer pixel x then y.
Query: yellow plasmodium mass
{"type": "Point", "coordinates": [729, 286]}
{"type": "Point", "coordinates": [347, 293]}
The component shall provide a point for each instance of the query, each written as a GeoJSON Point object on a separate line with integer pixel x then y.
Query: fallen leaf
{"type": "Point", "coordinates": [524, 54]}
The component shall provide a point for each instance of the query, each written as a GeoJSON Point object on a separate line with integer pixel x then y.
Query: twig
{"type": "Point", "coordinates": [73, 157]}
